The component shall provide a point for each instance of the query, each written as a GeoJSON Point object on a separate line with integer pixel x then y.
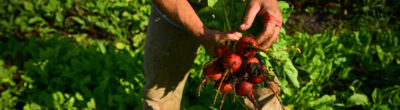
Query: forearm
{"type": "Point", "coordinates": [182, 12]}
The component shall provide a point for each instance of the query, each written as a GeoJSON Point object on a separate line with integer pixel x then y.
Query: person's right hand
{"type": "Point", "coordinates": [211, 38]}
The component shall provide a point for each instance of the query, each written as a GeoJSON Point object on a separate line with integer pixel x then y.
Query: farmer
{"type": "Point", "coordinates": [174, 35]}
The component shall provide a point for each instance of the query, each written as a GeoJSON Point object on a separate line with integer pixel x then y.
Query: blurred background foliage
{"type": "Point", "coordinates": [72, 54]}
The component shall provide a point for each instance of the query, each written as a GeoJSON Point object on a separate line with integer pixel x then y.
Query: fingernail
{"type": "Point", "coordinates": [243, 26]}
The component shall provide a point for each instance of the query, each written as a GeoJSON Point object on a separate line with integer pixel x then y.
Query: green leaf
{"type": "Point", "coordinates": [291, 72]}
{"type": "Point", "coordinates": [28, 6]}
{"type": "Point", "coordinates": [324, 107]}
{"type": "Point", "coordinates": [79, 20]}
{"type": "Point", "coordinates": [211, 3]}
{"type": "Point", "coordinates": [35, 19]}
{"type": "Point", "coordinates": [91, 104]}
{"type": "Point", "coordinates": [285, 87]}
{"type": "Point", "coordinates": [32, 106]}
{"type": "Point", "coordinates": [326, 99]}
{"type": "Point", "coordinates": [26, 78]}
{"type": "Point", "coordinates": [78, 96]}
{"type": "Point", "coordinates": [285, 10]}
{"type": "Point", "coordinates": [59, 17]}
{"type": "Point", "coordinates": [344, 72]}
{"type": "Point", "coordinates": [58, 98]}
{"type": "Point", "coordinates": [380, 53]}
{"type": "Point", "coordinates": [102, 47]}
{"type": "Point", "coordinates": [285, 63]}
{"type": "Point", "coordinates": [357, 99]}
{"type": "Point", "coordinates": [375, 95]}
{"type": "Point", "coordinates": [101, 24]}
{"type": "Point", "coordinates": [120, 45]}
{"type": "Point", "coordinates": [383, 107]}
{"type": "Point", "coordinates": [363, 37]}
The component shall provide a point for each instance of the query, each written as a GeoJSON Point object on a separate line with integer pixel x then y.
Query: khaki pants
{"type": "Point", "coordinates": [169, 54]}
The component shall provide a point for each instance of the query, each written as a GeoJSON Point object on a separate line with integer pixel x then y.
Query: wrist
{"type": "Point", "coordinates": [199, 31]}
{"type": "Point", "coordinates": [201, 34]}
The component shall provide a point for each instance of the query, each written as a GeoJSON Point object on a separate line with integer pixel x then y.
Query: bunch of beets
{"type": "Point", "coordinates": [237, 71]}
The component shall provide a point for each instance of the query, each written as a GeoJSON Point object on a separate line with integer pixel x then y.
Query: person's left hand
{"type": "Point", "coordinates": [269, 10]}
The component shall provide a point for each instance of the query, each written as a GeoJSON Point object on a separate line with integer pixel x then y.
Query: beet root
{"type": "Point", "coordinates": [245, 47]}
{"type": "Point", "coordinates": [213, 71]}
{"type": "Point", "coordinates": [244, 88]}
{"type": "Point", "coordinates": [231, 61]}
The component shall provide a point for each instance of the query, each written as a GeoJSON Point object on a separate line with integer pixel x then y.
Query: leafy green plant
{"type": "Point", "coordinates": [72, 54]}
{"type": "Point", "coordinates": [59, 74]}
{"type": "Point", "coordinates": [118, 19]}
{"type": "Point", "coordinates": [339, 71]}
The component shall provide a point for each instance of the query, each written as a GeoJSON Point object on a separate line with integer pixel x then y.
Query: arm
{"type": "Point", "coordinates": [182, 12]}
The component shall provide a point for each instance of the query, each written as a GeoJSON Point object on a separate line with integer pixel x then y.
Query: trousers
{"type": "Point", "coordinates": [168, 57]}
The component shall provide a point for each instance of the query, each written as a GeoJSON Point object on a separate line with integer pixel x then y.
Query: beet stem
{"type": "Point", "coordinates": [220, 84]}
{"type": "Point", "coordinates": [276, 95]}
{"type": "Point", "coordinates": [251, 98]}
{"type": "Point", "coordinates": [270, 50]}
{"type": "Point", "coordinates": [234, 95]}
{"type": "Point", "coordinates": [266, 52]}
{"type": "Point", "coordinates": [201, 84]}
{"type": "Point", "coordinates": [222, 100]}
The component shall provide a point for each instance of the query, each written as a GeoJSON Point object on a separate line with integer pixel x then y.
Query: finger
{"type": "Point", "coordinates": [265, 35]}
{"type": "Point", "coordinates": [235, 36]}
{"type": "Point", "coordinates": [273, 38]}
{"type": "Point", "coordinates": [221, 37]}
{"type": "Point", "coordinates": [251, 12]}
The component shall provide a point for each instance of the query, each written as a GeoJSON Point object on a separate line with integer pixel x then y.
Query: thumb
{"type": "Point", "coordinates": [235, 36]}
{"type": "Point", "coordinates": [248, 18]}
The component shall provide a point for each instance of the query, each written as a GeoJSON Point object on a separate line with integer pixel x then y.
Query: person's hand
{"type": "Point", "coordinates": [272, 18]}
{"type": "Point", "coordinates": [211, 38]}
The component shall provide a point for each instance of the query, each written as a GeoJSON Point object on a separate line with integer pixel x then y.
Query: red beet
{"type": "Point", "coordinates": [243, 46]}
{"type": "Point", "coordinates": [252, 60]}
{"type": "Point", "coordinates": [226, 87]}
{"type": "Point", "coordinates": [222, 50]}
{"type": "Point", "coordinates": [265, 69]}
{"type": "Point", "coordinates": [248, 41]}
{"type": "Point", "coordinates": [244, 88]}
{"type": "Point", "coordinates": [231, 61]}
{"type": "Point", "coordinates": [213, 71]}
{"type": "Point", "coordinates": [255, 79]}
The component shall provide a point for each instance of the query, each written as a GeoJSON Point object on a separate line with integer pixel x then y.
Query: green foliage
{"type": "Point", "coordinates": [357, 99]}
{"type": "Point", "coordinates": [347, 66]}
{"type": "Point", "coordinates": [224, 15]}
{"type": "Point", "coordinates": [58, 74]}
{"type": "Point", "coordinates": [117, 19]}
{"type": "Point", "coordinates": [62, 73]}
{"type": "Point", "coordinates": [72, 54]}
{"type": "Point", "coordinates": [385, 98]}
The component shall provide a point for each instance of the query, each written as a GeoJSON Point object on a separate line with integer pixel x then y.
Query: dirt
{"type": "Point", "coordinates": [311, 24]}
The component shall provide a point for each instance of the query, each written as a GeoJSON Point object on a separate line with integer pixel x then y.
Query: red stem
{"type": "Point", "coordinates": [276, 95]}
{"type": "Point", "coordinates": [251, 98]}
